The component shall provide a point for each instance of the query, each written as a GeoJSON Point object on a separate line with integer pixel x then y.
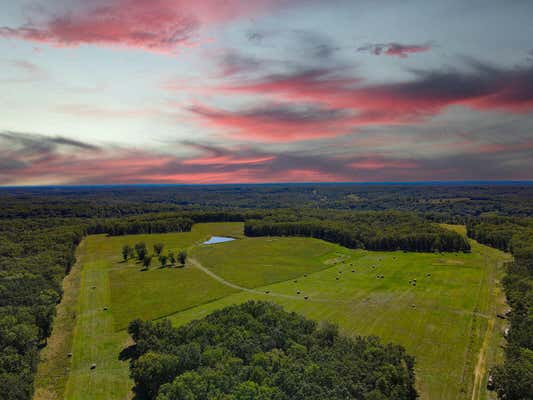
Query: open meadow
{"type": "Point", "coordinates": [440, 307]}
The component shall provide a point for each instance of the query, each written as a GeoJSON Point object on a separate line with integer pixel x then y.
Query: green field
{"type": "Point", "coordinates": [447, 321]}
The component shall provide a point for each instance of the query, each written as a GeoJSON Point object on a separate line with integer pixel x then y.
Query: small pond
{"type": "Point", "coordinates": [218, 239]}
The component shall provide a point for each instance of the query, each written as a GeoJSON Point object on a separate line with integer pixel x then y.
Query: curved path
{"type": "Point", "coordinates": [195, 263]}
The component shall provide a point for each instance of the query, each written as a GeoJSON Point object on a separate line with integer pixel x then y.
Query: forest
{"type": "Point", "coordinates": [385, 230]}
{"type": "Point", "coordinates": [41, 227]}
{"type": "Point", "coordinates": [256, 350]}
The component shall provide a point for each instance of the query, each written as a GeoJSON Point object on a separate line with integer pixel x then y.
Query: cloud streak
{"type": "Point", "coordinates": [158, 25]}
{"type": "Point", "coordinates": [395, 49]}
{"type": "Point", "coordinates": [276, 122]}
{"type": "Point", "coordinates": [428, 94]}
{"type": "Point", "coordinates": [30, 159]}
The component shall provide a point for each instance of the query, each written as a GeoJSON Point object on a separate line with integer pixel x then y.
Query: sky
{"type": "Point", "coordinates": [231, 91]}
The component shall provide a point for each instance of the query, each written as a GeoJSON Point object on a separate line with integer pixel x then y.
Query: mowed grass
{"type": "Point", "coordinates": [159, 292]}
{"type": "Point", "coordinates": [442, 320]}
{"type": "Point", "coordinates": [152, 294]}
{"type": "Point", "coordinates": [260, 261]}
{"type": "Point", "coordinates": [96, 336]}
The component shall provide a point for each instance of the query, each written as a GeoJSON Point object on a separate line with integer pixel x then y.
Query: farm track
{"type": "Point", "coordinates": [481, 365]}
{"type": "Point", "coordinates": [195, 263]}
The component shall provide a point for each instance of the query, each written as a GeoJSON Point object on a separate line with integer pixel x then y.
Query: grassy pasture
{"type": "Point", "coordinates": [256, 262]}
{"type": "Point", "coordinates": [443, 321]}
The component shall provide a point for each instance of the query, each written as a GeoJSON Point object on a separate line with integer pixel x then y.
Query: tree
{"type": "Point", "coordinates": [126, 252]}
{"type": "Point", "coordinates": [163, 260]}
{"type": "Point", "coordinates": [141, 250]}
{"type": "Point", "coordinates": [257, 351]}
{"type": "Point", "coordinates": [147, 260]}
{"type": "Point", "coordinates": [171, 257]}
{"type": "Point", "coordinates": [158, 248]}
{"type": "Point", "coordinates": [151, 370]}
{"type": "Point", "coordinates": [182, 257]}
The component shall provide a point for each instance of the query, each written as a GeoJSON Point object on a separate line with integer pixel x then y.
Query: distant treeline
{"type": "Point", "coordinates": [442, 203]}
{"type": "Point", "coordinates": [166, 222]}
{"type": "Point", "coordinates": [387, 231]}
{"type": "Point", "coordinates": [373, 230]}
{"type": "Point", "coordinates": [513, 379]}
{"type": "Point", "coordinates": [257, 350]}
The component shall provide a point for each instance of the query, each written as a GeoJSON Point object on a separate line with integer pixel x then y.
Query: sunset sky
{"type": "Point", "coordinates": [223, 91]}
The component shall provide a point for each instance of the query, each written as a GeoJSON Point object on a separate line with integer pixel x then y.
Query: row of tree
{"type": "Point", "coordinates": [257, 350]}
{"type": "Point", "coordinates": [514, 378]}
{"type": "Point", "coordinates": [140, 251]}
{"type": "Point", "coordinates": [368, 230]}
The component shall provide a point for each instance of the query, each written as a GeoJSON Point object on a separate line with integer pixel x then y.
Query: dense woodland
{"type": "Point", "coordinates": [439, 201]}
{"type": "Point", "coordinates": [41, 227]}
{"type": "Point", "coordinates": [513, 379]}
{"type": "Point", "coordinates": [258, 351]}
{"type": "Point", "coordinates": [34, 257]}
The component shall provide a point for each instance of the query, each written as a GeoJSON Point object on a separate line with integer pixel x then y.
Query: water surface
{"type": "Point", "coordinates": [218, 239]}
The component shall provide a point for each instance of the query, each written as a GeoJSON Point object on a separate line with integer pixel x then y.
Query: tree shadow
{"type": "Point", "coordinates": [128, 353]}
{"type": "Point", "coordinates": [137, 395]}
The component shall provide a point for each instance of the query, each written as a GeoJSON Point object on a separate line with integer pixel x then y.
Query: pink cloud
{"type": "Point", "coordinates": [395, 49]}
{"type": "Point", "coordinates": [226, 160]}
{"type": "Point", "coordinates": [157, 25]}
{"type": "Point", "coordinates": [35, 159]}
{"type": "Point", "coordinates": [278, 123]}
{"type": "Point", "coordinates": [381, 163]}
{"type": "Point", "coordinates": [410, 101]}
{"type": "Point", "coordinates": [399, 50]}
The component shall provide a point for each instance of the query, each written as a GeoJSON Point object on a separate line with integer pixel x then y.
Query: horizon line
{"type": "Point", "coordinates": [437, 182]}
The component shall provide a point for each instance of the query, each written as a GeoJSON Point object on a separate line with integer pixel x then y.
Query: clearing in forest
{"type": "Point", "coordinates": [438, 306]}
